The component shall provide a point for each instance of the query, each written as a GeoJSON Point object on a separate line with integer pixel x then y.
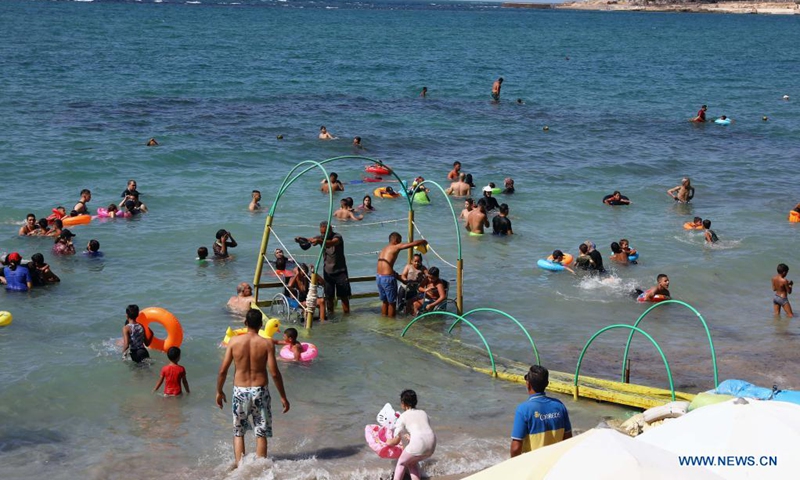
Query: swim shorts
{"type": "Point", "coordinates": [387, 288]}
{"type": "Point", "coordinates": [251, 402]}
{"type": "Point", "coordinates": [496, 97]}
{"type": "Point", "coordinates": [338, 283]}
{"type": "Point", "coordinates": [780, 301]}
{"type": "Point", "coordinates": [139, 355]}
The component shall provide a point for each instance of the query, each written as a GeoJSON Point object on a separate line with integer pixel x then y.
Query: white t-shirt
{"type": "Point", "coordinates": [417, 425]}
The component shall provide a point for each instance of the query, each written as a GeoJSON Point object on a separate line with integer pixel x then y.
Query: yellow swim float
{"type": "Point", "coordinates": [794, 216]}
{"type": "Point", "coordinates": [272, 326]}
{"type": "Point", "coordinates": [5, 319]}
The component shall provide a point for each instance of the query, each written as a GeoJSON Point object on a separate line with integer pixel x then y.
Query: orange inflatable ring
{"type": "Point", "coordinates": [79, 220]}
{"type": "Point", "coordinates": [166, 320]}
{"type": "Point", "coordinates": [692, 226]}
{"type": "Point", "coordinates": [565, 261]}
{"type": "Point", "coordinates": [794, 216]}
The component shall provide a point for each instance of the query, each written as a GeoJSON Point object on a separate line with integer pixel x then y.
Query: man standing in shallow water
{"type": "Point", "coordinates": [251, 355]}
{"type": "Point", "coordinates": [496, 86]}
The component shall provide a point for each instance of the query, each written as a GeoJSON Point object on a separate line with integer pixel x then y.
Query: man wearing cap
{"type": "Point", "coordinates": [63, 245]}
{"type": "Point", "coordinates": [491, 202]}
{"type": "Point", "coordinates": [540, 420]}
{"type": "Point", "coordinates": [17, 277]}
{"type": "Point", "coordinates": [335, 271]}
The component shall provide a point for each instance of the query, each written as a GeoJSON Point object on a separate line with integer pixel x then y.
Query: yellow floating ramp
{"type": "Point", "coordinates": [455, 352]}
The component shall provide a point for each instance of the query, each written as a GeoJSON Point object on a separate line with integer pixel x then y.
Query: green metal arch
{"type": "Point", "coordinates": [702, 320]}
{"type": "Point", "coordinates": [459, 317]}
{"type": "Point", "coordinates": [494, 310]}
{"type": "Point", "coordinates": [632, 329]}
{"type": "Point", "coordinates": [449, 204]}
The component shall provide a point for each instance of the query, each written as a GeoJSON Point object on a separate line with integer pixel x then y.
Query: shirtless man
{"type": "Point", "coordinates": [454, 173]}
{"type": "Point", "coordinates": [324, 135]}
{"type": "Point", "coordinates": [387, 277]}
{"type": "Point", "coordinates": [496, 89]}
{"type": "Point", "coordinates": [683, 193]}
{"type": "Point", "coordinates": [251, 355]}
{"type": "Point", "coordinates": [459, 188]}
{"type": "Point", "coordinates": [345, 211]}
{"type": "Point", "coordinates": [617, 254]}
{"type": "Point", "coordinates": [782, 288]}
{"type": "Point", "coordinates": [80, 207]}
{"type": "Point", "coordinates": [337, 184]}
{"type": "Point", "coordinates": [662, 288]}
{"type": "Point", "coordinates": [469, 205]}
{"type": "Point", "coordinates": [240, 303]}
{"type": "Point", "coordinates": [357, 144]}
{"type": "Point", "coordinates": [254, 202]}
{"type": "Point", "coordinates": [477, 220]}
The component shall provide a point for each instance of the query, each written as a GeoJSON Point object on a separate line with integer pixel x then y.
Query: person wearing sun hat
{"type": "Point", "coordinates": [491, 202]}
{"type": "Point", "coordinates": [17, 277]}
{"type": "Point", "coordinates": [63, 244]}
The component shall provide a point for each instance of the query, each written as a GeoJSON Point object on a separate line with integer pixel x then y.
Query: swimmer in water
{"type": "Point", "coordinates": [357, 144]}
{"type": "Point", "coordinates": [711, 237]}
{"type": "Point", "coordinates": [616, 198]}
{"type": "Point", "coordinates": [290, 338]}
{"type": "Point", "coordinates": [697, 223]}
{"type": "Point", "coordinates": [80, 207]}
{"type": "Point", "coordinates": [254, 202]}
{"type": "Point", "coordinates": [424, 92]}
{"type": "Point", "coordinates": [558, 258]}
{"type": "Point", "coordinates": [459, 188]}
{"type": "Point", "coordinates": [508, 185]}
{"type": "Point", "coordinates": [202, 253]}
{"type": "Point", "coordinates": [240, 303]}
{"type": "Point", "coordinates": [496, 86]}
{"type": "Point", "coordinates": [782, 289]}
{"type": "Point", "coordinates": [683, 193]}
{"type": "Point", "coordinates": [152, 143]}
{"type": "Point", "coordinates": [477, 219]}
{"type": "Point", "coordinates": [625, 245]}
{"type": "Point", "coordinates": [520, 102]}
{"type": "Point", "coordinates": [701, 115]}
{"type": "Point", "coordinates": [366, 204]}
{"type": "Point", "coordinates": [337, 184]}
{"type": "Point", "coordinates": [469, 205]}
{"type": "Point", "coordinates": [617, 254]}
{"type": "Point", "coordinates": [583, 260]}
{"type": "Point", "coordinates": [345, 211]}
{"type": "Point", "coordinates": [501, 225]}
{"type": "Point", "coordinates": [29, 228]}
{"type": "Point", "coordinates": [324, 135]}
{"type": "Point", "coordinates": [661, 288]}
{"type": "Point", "coordinates": [455, 172]}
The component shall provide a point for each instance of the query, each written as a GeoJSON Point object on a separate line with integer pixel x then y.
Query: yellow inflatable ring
{"type": "Point", "coordinates": [381, 192]}
{"type": "Point", "coordinates": [79, 220]}
{"type": "Point", "coordinates": [5, 319]}
{"type": "Point", "coordinates": [166, 320]}
{"type": "Point", "coordinates": [272, 326]}
{"type": "Point", "coordinates": [794, 216]}
{"type": "Point", "coordinates": [565, 261]}
{"type": "Point", "coordinates": [692, 226]}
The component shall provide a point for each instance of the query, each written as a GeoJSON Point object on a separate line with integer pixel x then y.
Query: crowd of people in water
{"type": "Point", "coordinates": [417, 289]}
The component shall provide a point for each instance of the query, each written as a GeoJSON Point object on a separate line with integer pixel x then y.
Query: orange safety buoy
{"type": "Point", "coordinates": [692, 226]}
{"type": "Point", "coordinates": [79, 220]}
{"type": "Point", "coordinates": [794, 216]}
{"type": "Point", "coordinates": [166, 320]}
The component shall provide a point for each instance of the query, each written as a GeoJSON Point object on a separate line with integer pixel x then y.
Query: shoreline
{"type": "Point", "coordinates": [755, 8]}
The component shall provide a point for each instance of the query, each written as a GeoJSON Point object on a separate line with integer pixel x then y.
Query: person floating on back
{"type": "Point", "coordinates": [782, 289]}
{"type": "Point", "coordinates": [173, 374]}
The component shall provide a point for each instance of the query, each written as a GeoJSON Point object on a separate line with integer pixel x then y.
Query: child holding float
{"type": "Point", "coordinates": [422, 440]}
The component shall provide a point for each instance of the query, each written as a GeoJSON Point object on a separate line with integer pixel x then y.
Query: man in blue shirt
{"type": "Point", "coordinates": [541, 420]}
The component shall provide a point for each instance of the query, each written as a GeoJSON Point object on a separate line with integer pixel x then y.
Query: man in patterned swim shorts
{"type": "Point", "coordinates": [251, 355]}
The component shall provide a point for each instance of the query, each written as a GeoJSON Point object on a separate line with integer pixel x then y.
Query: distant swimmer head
{"type": "Point", "coordinates": [723, 117]}
{"type": "Point", "coordinates": [280, 137]}
{"type": "Point", "coordinates": [520, 102]}
{"type": "Point", "coordinates": [786, 97]}
{"type": "Point", "coordinates": [765, 118]}
{"type": "Point", "coordinates": [546, 128]}
{"type": "Point", "coordinates": [152, 143]}
{"type": "Point", "coordinates": [558, 255]}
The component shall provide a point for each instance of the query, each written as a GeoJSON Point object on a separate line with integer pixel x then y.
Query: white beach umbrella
{"type": "Point", "coordinates": [599, 454]}
{"type": "Point", "coordinates": [737, 439]}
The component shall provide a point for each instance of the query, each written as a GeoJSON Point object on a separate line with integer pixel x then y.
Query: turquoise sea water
{"type": "Point", "coordinates": [84, 85]}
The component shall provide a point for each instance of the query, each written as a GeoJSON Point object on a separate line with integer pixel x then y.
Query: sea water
{"type": "Point", "coordinates": [85, 85]}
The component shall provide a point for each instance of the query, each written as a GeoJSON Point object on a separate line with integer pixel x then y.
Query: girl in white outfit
{"type": "Point", "coordinates": [422, 442]}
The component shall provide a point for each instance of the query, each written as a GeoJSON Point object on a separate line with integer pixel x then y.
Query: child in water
{"type": "Point", "coordinates": [174, 374]}
{"type": "Point", "coordinates": [711, 237]}
{"type": "Point", "coordinates": [625, 245]}
{"type": "Point", "coordinates": [422, 440]}
{"type": "Point", "coordinates": [290, 338]}
{"type": "Point", "coordinates": [558, 257]}
{"type": "Point", "coordinates": [202, 253]}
